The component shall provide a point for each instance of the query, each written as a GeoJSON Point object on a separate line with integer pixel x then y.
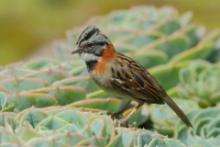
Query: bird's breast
{"type": "Point", "coordinates": [101, 74]}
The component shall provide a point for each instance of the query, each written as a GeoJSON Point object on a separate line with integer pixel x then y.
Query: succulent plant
{"type": "Point", "coordinates": [200, 82]}
{"type": "Point", "coordinates": [51, 101]}
{"type": "Point", "coordinates": [58, 126]}
{"type": "Point", "coordinates": [206, 128]}
{"type": "Point", "coordinates": [165, 121]}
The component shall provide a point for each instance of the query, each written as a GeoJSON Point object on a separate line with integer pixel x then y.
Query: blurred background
{"type": "Point", "coordinates": [26, 25]}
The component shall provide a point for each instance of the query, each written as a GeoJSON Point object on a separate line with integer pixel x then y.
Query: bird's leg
{"type": "Point", "coordinates": [124, 106]}
{"type": "Point", "coordinates": [139, 105]}
{"type": "Point", "coordinates": [124, 122]}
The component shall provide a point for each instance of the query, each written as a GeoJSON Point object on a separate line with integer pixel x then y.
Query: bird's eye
{"type": "Point", "coordinates": [89, 45]}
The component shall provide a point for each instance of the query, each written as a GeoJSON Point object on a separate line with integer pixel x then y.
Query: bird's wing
{"type": "Point", "coordinates": [133, 79]}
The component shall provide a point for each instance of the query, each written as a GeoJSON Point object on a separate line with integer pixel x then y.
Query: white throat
{"type": "Point", "coordinates": [89, 57]}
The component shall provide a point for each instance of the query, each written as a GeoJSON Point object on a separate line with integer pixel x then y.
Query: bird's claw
{"type": "Point", "coordinates": [115, 115]}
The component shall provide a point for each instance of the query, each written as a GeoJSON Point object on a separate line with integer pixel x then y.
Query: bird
{"type": "Point", "coordinates": [120, 75]}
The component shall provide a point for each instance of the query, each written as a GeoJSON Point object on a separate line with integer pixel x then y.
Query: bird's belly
{"type": "Point", "coordinates": [105, 84]}
{"type": "Point", "coordinates": [102, 81]}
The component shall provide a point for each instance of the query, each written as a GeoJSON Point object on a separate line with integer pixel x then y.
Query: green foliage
{"type": "Point", "coordinates": [200, 81]}
{"type": "Point", "coordinates": [53, 102]}
{"type": "Point", "coordinates": [165, 121]}
{"type": "Point", "coordinates": [70, 127]}
{"type": "Point", "coordinates": [206, 128]}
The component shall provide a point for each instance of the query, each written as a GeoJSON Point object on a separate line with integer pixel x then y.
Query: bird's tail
{"type": "Point", "coordinates": [178, 111]}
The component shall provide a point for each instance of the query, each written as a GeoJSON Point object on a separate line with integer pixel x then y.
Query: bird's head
{"type": "Point", "coordinates": [91, 44]}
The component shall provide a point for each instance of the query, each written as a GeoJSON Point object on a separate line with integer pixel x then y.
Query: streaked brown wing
{"type": "Point", "coordinates": [132, 79]}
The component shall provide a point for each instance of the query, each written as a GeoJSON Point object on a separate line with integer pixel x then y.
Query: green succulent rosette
{"type": "Point", "coordinates": [205, 131]}
{"type": "Point", "coordinates": [200, 82]}
{"type": "Point", "coordinates": [56, 126]}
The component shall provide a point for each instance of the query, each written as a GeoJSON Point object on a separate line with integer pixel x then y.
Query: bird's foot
{"type": "Point", "coordinates": [115, 115]}
{"type": "Point", "coordinates": [121, 123]}
{"type": "Point", "coordinates": [124, 123]}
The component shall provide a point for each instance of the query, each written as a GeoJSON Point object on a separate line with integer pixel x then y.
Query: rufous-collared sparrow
{"type": "Point", "coordinates": [120, 74]}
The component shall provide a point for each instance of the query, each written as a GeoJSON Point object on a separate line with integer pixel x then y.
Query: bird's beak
{"type": "Point", "coordinates": [76, 50]}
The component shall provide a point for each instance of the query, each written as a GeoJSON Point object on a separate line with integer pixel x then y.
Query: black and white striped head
{"type": "Point", "coordinates": [91, 44]}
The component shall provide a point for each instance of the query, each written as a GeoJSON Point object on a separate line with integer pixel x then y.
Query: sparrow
{"type": "Point", "coordinates": [120, 74]}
